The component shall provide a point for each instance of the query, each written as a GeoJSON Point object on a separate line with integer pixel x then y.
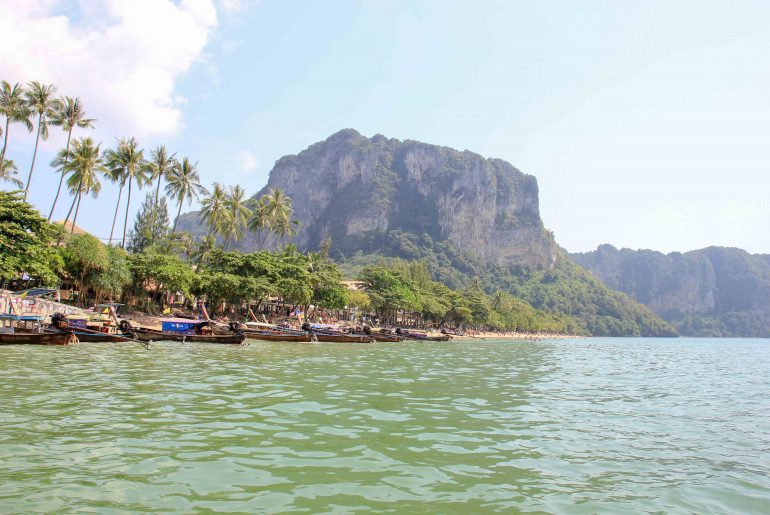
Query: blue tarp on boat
{"type": "Point", "coordinates": [180, 326]}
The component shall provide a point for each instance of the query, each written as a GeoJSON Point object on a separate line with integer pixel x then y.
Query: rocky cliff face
{"type": "Point", "coordinates": [348, 186]}
{"type": "Point", "coordinates": [715, 291]}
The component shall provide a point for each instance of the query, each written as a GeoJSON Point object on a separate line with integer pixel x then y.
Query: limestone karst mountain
{"type": "Point", "coordinates": [716, 291]}
{"type": "Point", "coordinates": [472, 219]}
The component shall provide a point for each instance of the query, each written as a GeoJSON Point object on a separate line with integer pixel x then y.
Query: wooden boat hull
{"type": "Point", "coordinates": [36, 339]}
{"type": "Point", "coordinates": [425, 338]}
{"type": "Point", "coordinates": [96, 337]}
{"type": "Point", "coordinates": [148, 335]}
{"type": "Point", "coordinates": [387, 337]}
{"type": "Point", "coordinates": [277, 337]}
{"type": "Point", "coordinates": [342, 338]}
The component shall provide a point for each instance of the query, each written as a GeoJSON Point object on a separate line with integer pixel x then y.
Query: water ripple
{"type": "Point", "coordinates": [566, 426]}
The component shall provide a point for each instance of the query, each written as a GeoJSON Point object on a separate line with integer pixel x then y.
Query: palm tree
{"type": "Point", "coordinates": [206, 246]}
{"type": "Point", "coordinates": [7, 172]}
{"type": "Point", "coordinates": [286, 228]}
{"type": "Point", "coordinates": [85, 165]}
{"type": "Point", "coordinates": [70, 114]}
{"type": "Point", "coordinates": [160, 165]}
{"type": "Point", "coordinates": [184, 243]}
{"type": "Point", "coordinates": [40, 101]}
{"type": "Point", "coordinates": [183, 183]}
{"type": "Point", "coordinates": [278, 205]}
{"type": "Point", "coordinates": [14, 108]}
{"type": "Point", "coordinates": [260, 220]}
{"type": "Point", "coordinates": [125, 164]}
{"type": "Point", "coordinates": [213, 209]}
{"type": "Point", "coordinates": [238, 211]}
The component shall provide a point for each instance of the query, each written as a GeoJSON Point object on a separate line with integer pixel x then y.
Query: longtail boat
{"type": "Point", "coordinates": [89, 332]}
{"type": "Point", "coordinates": [326, 334]}
{"type": "Point", "coordinates": [186, 330]}
{"type": "Point", "coordinates": [28, 330]}
{"type": "Point", "coordinates": [265, 332]}
{"type": "Point", "coordinates": [409, 335]}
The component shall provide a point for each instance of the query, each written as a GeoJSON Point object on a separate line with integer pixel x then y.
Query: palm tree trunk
{"type": "Point", "coordinates": [61, 180]}
{"type": "Point", "coordinates": [75, 218]}
{"type": "Point", "coordinates": [77, 195]}
{"type": "Point", "coordinates": [178, 213]}
{"type": "Point", "coordinates": [34, 155]}
{"type": "Point", "coordinates": [155, 211]}
{"type": "Point", "coordinates": [125, 220]}
{"type": "Point", "coordinates": [117, 207]}
{"type": "Point", "coordinates": [5, 143]}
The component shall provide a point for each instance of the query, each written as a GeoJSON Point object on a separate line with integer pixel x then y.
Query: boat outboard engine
{"type": "Point", "coordinates": [59, 320]}
{"type": "Point", "coordinates": [367, 330]}
{"type": "Point", "coordinates": [125, 326]}
{"type": "Point", "coordinates": [398, 331]}
{"type": "Point", "coordinates": [306, 327]}
{"type": "Point", "coordinates": [235, 326]}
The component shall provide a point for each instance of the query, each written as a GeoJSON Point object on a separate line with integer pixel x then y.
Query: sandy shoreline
{"type": "Point", "coordinates": [517, 336]}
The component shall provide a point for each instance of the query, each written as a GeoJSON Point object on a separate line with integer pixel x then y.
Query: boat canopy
{"type": "Point", "coordinates": [23, 318]}
{"type": "Point", "coordinates": [34, 292]}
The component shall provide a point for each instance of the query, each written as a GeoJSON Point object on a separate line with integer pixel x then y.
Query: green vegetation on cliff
{"type": "Point", "coordinates": [715, 291]}
{"type": "Point", "coordinates": [563, 289]}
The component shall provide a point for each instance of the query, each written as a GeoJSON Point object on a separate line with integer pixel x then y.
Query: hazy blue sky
{"type": "Point", "coordinates": [647, 123]}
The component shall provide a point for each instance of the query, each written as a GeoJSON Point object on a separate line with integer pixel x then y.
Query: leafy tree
{"type": "Point", "coordinates": [15, 110]}
{"type": "Point", "coordinates": [69, 114]}
{"type": "Point", "coordinates": [40, 101]}
{"type": "Point", "coordinates": [161, 272]}
{"type": "Point", "coordinates": [109, 282]}
{"type": "Point", "coordinates": [84, 257]}
{"type": "Point", "coordinates": [389, 291]}
{"type": "Point", "coordinates": [183, 183]}
{"type": "Point", "coordinates": [26, 242]}
{"type": "Point", "coordinates": [150, 225]}
{"type": "Point", "coordinates": [326, 282]}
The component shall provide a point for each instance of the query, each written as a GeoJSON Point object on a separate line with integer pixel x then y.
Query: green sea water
{"type": "Point", "coordinates": [570, 426]}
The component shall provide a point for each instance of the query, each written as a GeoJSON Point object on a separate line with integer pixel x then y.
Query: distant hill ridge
{"type": "Point", "coordinates": [716, 291]}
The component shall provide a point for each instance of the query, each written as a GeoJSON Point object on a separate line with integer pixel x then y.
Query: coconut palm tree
{"type": "Point", "coordinates": [279, 207]}
{"type": "Point", "coordinates": [213, 209]}
{"type": "Point", "coordinates": [126, 163]}
{"type": "Point", "coordinates": [160, 165]}
{"type": "Point", "coordinates": [85, 166]}
{"type": "Point", "coordinates": [183, 183]}
{"type": "Point", "coordinates": [184, 243]}
{"type": "Point", "coordinates": [260, 220]}
{"type": "Point", "coordinates": [206, 247]}
{"type": "Point", "coordinates": [238, 212]}
{"type": "Point", "coordinates": [40, 101]}
{"type": "Point", "coordinates": [7, 172]}
{"type": "Point", "coordinates": [70, 114]}
{"type": "Point", "coordinates": [14, 108]}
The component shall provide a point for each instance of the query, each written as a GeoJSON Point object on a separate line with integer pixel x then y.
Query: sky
{"type": "Point", "coordinates": [647, 124]}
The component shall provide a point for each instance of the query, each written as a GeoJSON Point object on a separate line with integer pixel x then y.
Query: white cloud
{"type": "Point", "coordinates": [246, 161]}
{"type": "Point", "coordinates": [122, 58]}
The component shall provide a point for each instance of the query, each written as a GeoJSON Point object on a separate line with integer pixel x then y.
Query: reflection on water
{"type": "Point", "coordinates": [589, 425]}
